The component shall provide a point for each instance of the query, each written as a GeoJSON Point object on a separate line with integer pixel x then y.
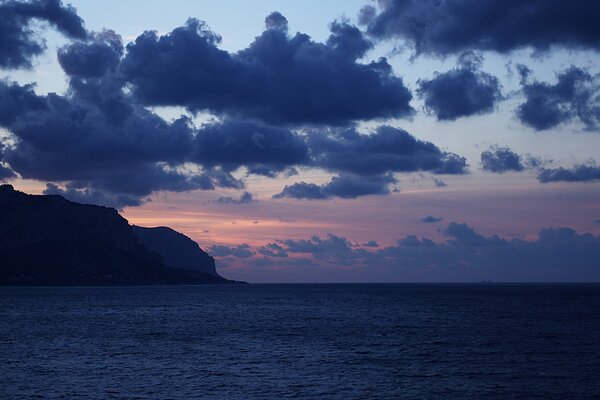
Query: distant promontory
{"type": "Point", "coordinates": [48, 240]}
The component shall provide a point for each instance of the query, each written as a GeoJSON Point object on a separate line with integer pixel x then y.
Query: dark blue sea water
{"type": "Point", "coordinates": [301, 341]}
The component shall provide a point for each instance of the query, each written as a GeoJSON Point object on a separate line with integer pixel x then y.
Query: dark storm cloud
{"type": "Point", "coordinates": [430, 219]}
{"type": "Point", "coordinates": [386, 149]}
{"type": "Point", "coordinates": [262, 149]}
{"type": "Point", "coordinates": [278, 78]}
{"type": "Point", "coordinates": [100, 143]}
{"type": "Point", "coordinates": [345, 186]}
{"type": "Point", "coordinates": [94, 58]}
{"type": "Point", "coordinates": [559, 254]}
{"type": "Point", "coordinates": [245, 198]}
{"type": "Point", "coordinates": [500, 160]}
{"type": "Point", "coordinates": [462, 91]}
{"type": "Point", "coordinates": [575, 96]}
{"type": "Point", "coordinates": [19, 44]}
{"type": "Point", "coordinates": [451, 26]}
{"type": "Point", "coordinates": [15, 100]}
{"type": "Point", "coordinates": [366, 162]}
{"type": "Point", "coordinates": [580, 173]}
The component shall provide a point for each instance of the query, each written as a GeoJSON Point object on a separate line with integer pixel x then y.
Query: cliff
{"type": "Point", "coordinates": [50, 240]}
{"type": "Point", "coordinates": [176, 249]}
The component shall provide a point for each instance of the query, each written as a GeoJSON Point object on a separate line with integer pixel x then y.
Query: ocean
{"type": "Point", "coordinates": [342, 341]}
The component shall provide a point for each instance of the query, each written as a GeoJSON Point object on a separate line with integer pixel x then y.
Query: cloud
{"type": "Point", "coordinates": [273, 250]}
{"type": "Point", "coordinates": [386, 149]}
{"type": "Point", "coordinates": [94, 58]}
{"type": "Point", "coordinates": [558, 254]}
{"type": "Point", "coordinates": [501, 159]}
{"type": "Point", "coordinates": [279, 78]}
{"type": "Point", "coordinates": [276, 20]}
{"type": "Point", "coordinates": [15, 100]}
{"type": "Point", "coordinates": [451, 27]}
{"type": "Point", "coordinates": [100, 143]}
{"type": "Point", "coordinates": [345, 186]}
{"type": "Point", "coordinates": [575, 96]}
{"type": "Point", "coordinates": [91, 196]}
{"type": "Point", "coordinates": [463, 234]}
{"type": "Point", "coordinates": [96, 143]}
{"type": "Point", "coordinates": [461, 92]}
{"type": "Point", "coordinates": [240, 251]}
{"type": "Point", "coordinates": [430, 219]}
{"type": "Point", "coordinates": [245, 198]}
{"type": "Point", "coordinates": [439, 183]}
{"type": "Point", "coordinates": [580, 173]}
{"type": "Point", "coordinates": [371, 243]}
{"type": "Point", "coordinates": [19, 43]}
{"type": "Point", "coordinates": [330, 250]}
{"type": "Point", "coordinates": [262, 149]}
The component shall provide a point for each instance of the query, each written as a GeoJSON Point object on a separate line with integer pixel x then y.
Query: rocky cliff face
{"type": "Point", "coordinates": [176, 249]}
{"type": "Point", "coordinates": [50, 240]}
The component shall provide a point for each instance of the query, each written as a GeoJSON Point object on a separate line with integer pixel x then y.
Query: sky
{"type": "Point", "coordinates": [338, 141]}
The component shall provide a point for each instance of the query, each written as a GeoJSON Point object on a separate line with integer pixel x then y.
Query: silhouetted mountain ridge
{"type": "Point", "coordinates": [50, 240]}
{"type": "Point", "coordinates": [176, 249]}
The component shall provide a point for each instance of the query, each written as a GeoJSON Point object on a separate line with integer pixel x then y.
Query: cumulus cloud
{"type": "Point", "coordinates": [245, 198]}
{"type": "Point", "coordinates": [461, 92]}
{"type": "Point", "coordinates": [501, 159]}
{"type": "Point", "coordinates": [278, 78]}
{"type": "Point", "coordinates": [430, 219]}
{"type": "Point", "coordinates": [19, 43]}
{"type": "Point", "coordinates": [574, 97]}
{"type": "Point", "coordinates": [100, 143]}
{"type": "Point", "coordinates": [345, 186]}
{"type": "Point", "coordinates": [262, 149]}
{"type": "Point", "coordinates": [589, 172]}
{"type": "Point", "coordinates": [273, 250]}
{"type": "Point", "coordinates": [453, 26]}
{"type": "Point", "coordinates": [385, 149]}
{"type": "Point", "coordinates": [103, 145]}
{"type": "Point", "coordinates": [94, 58]}
{"type": "Point", "coordinates": [276, 20]}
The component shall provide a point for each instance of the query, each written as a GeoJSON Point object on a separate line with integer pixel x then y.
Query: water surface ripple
{"type": "Point", "coordinates": [389, 341]}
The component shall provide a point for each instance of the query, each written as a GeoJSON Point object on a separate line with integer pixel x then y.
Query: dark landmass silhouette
{"type": "Point", "coordinates": [48, 240]}
{"type": "Point", "coordinates": [176, 249]}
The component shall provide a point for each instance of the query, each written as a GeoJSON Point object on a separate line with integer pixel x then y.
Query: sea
{"type": "Point", "coordinates": [313, 341]}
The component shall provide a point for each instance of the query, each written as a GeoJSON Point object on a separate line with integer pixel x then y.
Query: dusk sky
{"type": "Point", "coordinates": [305, 141]}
